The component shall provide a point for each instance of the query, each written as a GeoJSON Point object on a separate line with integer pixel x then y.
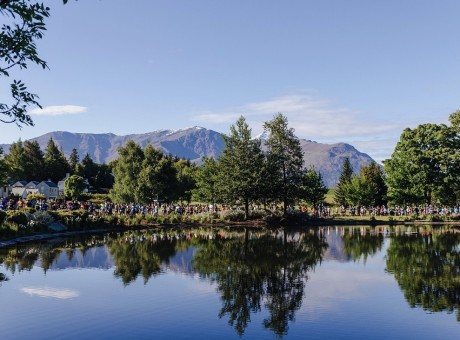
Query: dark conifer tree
{"type": "Point", "coordinates": [74, 159]}
{"type": "Point", "coordinates": [34, 162]}
{"type": "Point", "coordinates": [285, 157]}
{"type": "Point", "coordinates": [56, 164]}
{"type": "Point", "coordinates": [344, 179]}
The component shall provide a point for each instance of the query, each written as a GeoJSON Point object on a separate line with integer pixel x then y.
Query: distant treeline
{"type": "Point", "coordinates": [423, 169]}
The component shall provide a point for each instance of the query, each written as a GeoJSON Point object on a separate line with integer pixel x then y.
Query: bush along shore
{"type": "Point", "coordinates": [28, 222]}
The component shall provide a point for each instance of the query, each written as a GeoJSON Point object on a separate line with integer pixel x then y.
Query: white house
{"type": "Point", "coordinates": [19, 189]}
{"type": "Point", "coordinates": [61, 185]}
{"type": "Point", "coordinates": [31, 187]}
{"type": "Point", "coordinates": [48, 189]}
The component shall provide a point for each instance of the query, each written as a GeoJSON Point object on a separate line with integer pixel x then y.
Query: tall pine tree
{"type": "Point", "coordinates": [34, 162]}
{"type": "Point", "coordinates": [240, 165]}
{"type": "Point", "coordinates": [207, 189]}
{"type": "Point", "coordinates": [314, 188]}
{"type": "Point", "coordinates": [74, 160]}
{"type": "Point", "coordinates": [340, 196]}
{"type": "Point", "coordinates": [373, 174]}
{"type": "Point", "coordinates": [285, 157]}
{"type": "Point", "coordinates": [56, 164]}
{"type": "Point", "coordinates": [14, 162]}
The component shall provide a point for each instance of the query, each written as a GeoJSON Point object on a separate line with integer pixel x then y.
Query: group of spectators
{"type": "Point", "coordinates": [157, 208]}
{"type": "Point", "coordinates": [397, 210]}
{"type": "Point", "coordinates": [109, 208]}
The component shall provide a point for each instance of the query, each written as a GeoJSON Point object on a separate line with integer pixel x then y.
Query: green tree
{"type": "Point", "coordinates": [3, 170]}
{"type": "Point", "coordinates": [104, 178]}
{"type": "Point", "coordinates": [185, 179]}
{"type": "Point", "coordinates": [423, 164]}
{"type": "Point", "coordinates": [340, 196]}
{"type": "Point", "coordinates": [14, 161]}
{"type": "Point", "coordinates": [126, 170]}
{"type": "Point", "coordinates": [88, 169]}
{"type": "Point", "coordinates": [34, 162]}
{"type": "Point", "coordinates": [359, 191]}
{"type": "Point", "coordinates": [239, 166]}
{"type": "Point", "coordinates": [74, 159]}
{"type": "Point", "coordinates": [74, 187]}
{"type": "Point", "coordinates": [373, 175]}
{"type": "Point", "coordinates": [56, 164]}
{"type": "Point", "coordinates": [285, 157]}
{"type": "Point", "coordinates": [314, 188]}
{"type": "Point", "coordinates": [207, 189]}
{"type": "Point", "coordinates": [157, 178]}
{"type": "Point", "coordinates": [454, 119]}
{"type": "Point", "coordinates": [24, 25]}
{"type": "Point", "coordinates": [99, 176]}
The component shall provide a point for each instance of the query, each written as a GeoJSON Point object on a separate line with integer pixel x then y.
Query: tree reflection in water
{"type": "Point", "coordinates": [427, 269]}
{"type": "Point", "coordinates": [361, 243]}
{"type": "Point", "coordinates": [260, 268]}
{"type": "Point", "coordinates": [138, 254]}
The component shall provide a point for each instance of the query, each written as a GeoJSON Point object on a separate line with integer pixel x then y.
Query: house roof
{"type": "Point", "coordinates": [50, 184]}
{"type": "Point", "coordinates": [19, 184]}
{"type": "Point", "coordinates": [32, 184]}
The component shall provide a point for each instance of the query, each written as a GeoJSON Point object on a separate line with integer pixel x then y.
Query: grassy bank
{"type": "Point", "coordinates": [29, 222]}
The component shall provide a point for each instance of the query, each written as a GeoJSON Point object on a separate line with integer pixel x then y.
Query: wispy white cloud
{"type": "Point", "coordinates": [316, 119]}
{"type": "Point", "coordinates": [312, 117]}
{"type": "Point", "coordinates": [59, 110]}
{"type": "Point", "coordinates": [48, 292]}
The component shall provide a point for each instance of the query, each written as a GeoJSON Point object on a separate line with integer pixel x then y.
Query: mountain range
{"type": "Point", "coordinates": [197, 142]}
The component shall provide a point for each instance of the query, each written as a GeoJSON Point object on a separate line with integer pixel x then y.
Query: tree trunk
{"type": "Point", "coordinates": [246, 208]}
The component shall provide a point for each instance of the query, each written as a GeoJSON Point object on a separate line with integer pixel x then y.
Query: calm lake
{"type": "Point", "coordinates": [325, 283]}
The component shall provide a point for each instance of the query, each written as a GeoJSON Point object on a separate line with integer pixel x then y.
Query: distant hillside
{"type": "Point", "coordinates": [328, 159]}
{"type": "Point", "coordinates": [197, 142]}
{"type": "Point", "coordinates": [192, 143]}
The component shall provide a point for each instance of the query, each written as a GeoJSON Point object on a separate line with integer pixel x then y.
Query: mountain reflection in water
{"type": "Point", "coordinates": [254, 270]}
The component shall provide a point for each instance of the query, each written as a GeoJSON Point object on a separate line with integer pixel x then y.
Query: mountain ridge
{"type": "Point", "coordinates": [194, 143]}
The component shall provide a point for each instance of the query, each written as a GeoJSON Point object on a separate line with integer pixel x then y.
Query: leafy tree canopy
{"type": "Point", "coordinates": [24, 24]}
{"type": "Point", "coordinates": [74, 187]}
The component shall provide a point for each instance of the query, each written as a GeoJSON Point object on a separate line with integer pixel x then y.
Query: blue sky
{"type": "Point", "coordinates": [341, 71]}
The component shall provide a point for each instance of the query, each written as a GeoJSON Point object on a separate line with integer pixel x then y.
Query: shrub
{"type": "Point", "coordinates": [17, 217]}
{"type": "Point", "coordinates": [35, 197]}
{"type": "Point", "coordinates": [435, 218]}
{"type": "Point", "coordinates": [175, 218]}
{"type": "Point", "coordinates": [2, 217]}
{"type": "Point", "coordinates": [233, 215]}
{"type": "Point", "coordinates": [122, 221]}
{"type": "Point", "coordinates": [8, 230]}
{"type": "Point", "coordinates": [42, 218]}
{"type": "Point", "coordinates": [260, 213]}
{"type": "Point", "coordinates": [112, 220]}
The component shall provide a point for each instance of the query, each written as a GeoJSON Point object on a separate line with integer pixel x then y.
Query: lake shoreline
{"type": "Point", "coordinates": [244, 224]}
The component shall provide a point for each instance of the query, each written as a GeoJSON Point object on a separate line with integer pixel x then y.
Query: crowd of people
{"type": "Point", "coordinates": [160, 208]}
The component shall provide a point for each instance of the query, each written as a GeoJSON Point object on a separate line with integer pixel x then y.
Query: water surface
{"type": "Point", "coordinates": [331, 282]}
